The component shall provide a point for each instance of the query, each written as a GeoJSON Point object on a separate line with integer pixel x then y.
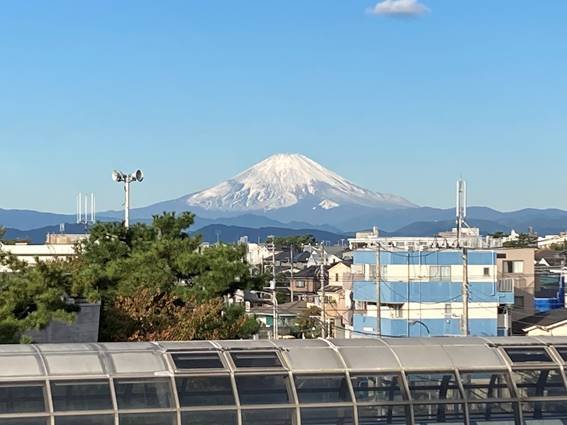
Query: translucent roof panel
{"type": "Point", "coordinates": [246, 344]}
{"type": "Point", "coordinates": [20, 366]}
{"type": "Point", "coordinates": [193, 345]}
{"type": "Point", "coordinates": [358, 342]}
{"type": "Point", "coordinates": [287, 343]}
{"type": "Point", "coordinates": [16, 348]}
{"type": "Point", "coordinates": [313, 359]}
{"type": "Point", "coordinates": [369, 358]}
{"type": "Point", "coordinates": [66, 348]}
{"type": "Point", "coordinates": [423, 357]}
{"type": "Point", "coordinates": [139, 362]}
{"type": "Point", "coordinates": [128, 346]}
{"type": "Point", "coordinates": [475, 357]}
{"type": "Point", "coordinates": [74, 364]}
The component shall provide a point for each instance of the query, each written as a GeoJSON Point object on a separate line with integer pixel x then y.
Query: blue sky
{"type": "Point", "coordinates": [194, 91]}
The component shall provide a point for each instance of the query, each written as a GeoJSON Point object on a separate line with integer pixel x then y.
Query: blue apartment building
{"type": "Point", "coordinates": [421, 293]}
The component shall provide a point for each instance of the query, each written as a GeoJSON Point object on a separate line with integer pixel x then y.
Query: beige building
{"type": "Point", "coordinates": [516, 269]}
{"type": "Point", "coordinates": [337, 296]}
{"type": "Point", "coordinates": [30, 254]}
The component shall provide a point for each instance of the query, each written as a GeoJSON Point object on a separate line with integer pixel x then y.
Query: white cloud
{"type": "Point", "coordinates": [403, 8]}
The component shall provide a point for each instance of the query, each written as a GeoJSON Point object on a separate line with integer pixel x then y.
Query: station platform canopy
{"type": "Point", "coordinates": [448, 380]}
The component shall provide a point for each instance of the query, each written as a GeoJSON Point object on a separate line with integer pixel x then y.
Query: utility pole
{"type": "Point", "coordinates": [378, 298]}
{"type": "Point", "coordinates": [323, 311]}
{"type": "Point", "coordinates": [291, 282]}
{"type": "Point", "coordinates": [273, 288]}
{"type": "Point", "coordinates": [465, 289]}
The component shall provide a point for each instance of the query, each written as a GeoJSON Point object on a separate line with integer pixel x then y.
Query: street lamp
{"type": "Point", "coordinates": [119, 176]}
{"type": "Point", "coordinates": [274, 311]}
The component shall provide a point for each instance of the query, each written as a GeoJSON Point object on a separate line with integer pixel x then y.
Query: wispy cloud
{"type": "Point", "coordinates": [401, 8]}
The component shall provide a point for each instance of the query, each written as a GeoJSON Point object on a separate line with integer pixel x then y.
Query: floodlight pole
{"type": "Point", "coordinates": [127, 202]}
{"type": "Point", "coordinates": [119, 176]}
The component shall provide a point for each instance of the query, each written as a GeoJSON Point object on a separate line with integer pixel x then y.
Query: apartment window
{"type": "Point", "coordinates": [505, 285]}
{"type": "Point", "coordinates": [300, 284]}
{"type": "Point", "coordinates": [486, 271]}
{"type": "Point", "coordinates": [448, 309]}
{"type": "Point", "coordinates": [440, 273]}
{"type": "Point", "coordinates": [336, 277]}
{"type": "Point", "coordinates": [513, 266]}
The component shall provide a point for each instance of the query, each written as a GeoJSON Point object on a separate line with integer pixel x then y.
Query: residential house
{"type": "Point", "coordinates": [287, 314]}
{"type": "Point", "coordinates": [550, 323]}
{"type": "Point", "coordinates": [516, 268]}
{"type": "Point", "coordinates": [338, 305]}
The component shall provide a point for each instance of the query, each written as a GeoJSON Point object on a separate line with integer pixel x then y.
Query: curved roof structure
{"type": "Point", "coordinates": [510, 380]}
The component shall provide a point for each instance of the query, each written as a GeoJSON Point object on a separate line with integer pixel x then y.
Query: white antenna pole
{"type": "Point", "coordinates": [80, 208]}
{"type": "Point", "coordinates": [86, 210]}
{"type": "Point", "coordinates": [127, 203]}
{"type": "Point", "coordinates": [92, 207]}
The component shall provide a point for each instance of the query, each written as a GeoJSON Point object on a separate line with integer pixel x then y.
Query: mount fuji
{"type": "Point", "coordinates": [283, 187]}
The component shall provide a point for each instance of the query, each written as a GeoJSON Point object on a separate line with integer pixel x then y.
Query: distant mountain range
{"type": "Point", "coordinates": [295, 193]}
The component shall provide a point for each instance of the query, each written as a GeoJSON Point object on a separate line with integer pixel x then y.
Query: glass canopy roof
{"type": "Point", "coordinates": [317, 382]}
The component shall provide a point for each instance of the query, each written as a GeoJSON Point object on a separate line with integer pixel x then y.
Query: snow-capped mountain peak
{"type": "Point", "coordinates": [284, 180]}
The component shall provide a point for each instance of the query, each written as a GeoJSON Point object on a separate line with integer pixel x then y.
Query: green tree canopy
{"type": "Point", "coordinates": [296, 241]}
{"type": "Point", "coordinates": [126, 269]}
{"type": "Point", "coordinates": [525, 240]}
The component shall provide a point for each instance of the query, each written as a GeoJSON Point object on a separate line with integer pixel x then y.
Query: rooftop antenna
{"type": "Point", "coordinates": [461, 209]}
{"type": "Point", "coordinates": [86, 211]}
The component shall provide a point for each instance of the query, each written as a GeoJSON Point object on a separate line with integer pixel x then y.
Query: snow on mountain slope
{"type": "Point", "coordinates": [284, 180]}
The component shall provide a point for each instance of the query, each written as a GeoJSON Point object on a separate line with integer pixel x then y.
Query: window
{"type": "Point", "coordinates": [210, 417]}
{"type": "Point", "coordinates": [145, 393]}
{"type": "Point", "coordinates": [448, 309]}
{"type": "Point", "coordinates": [519, 301]}
{"type": "Point", "coordinates": [85, 420]}
{"type": "Point", "coordinates": [336, 277]}
{"type": "Point", "coordinates": [545, 412]}
{"type": "Point", "coordinates": [263, 389]}
{"type": "Point", "coordinates": [148, 419]}
{"type": "Point", "coordinates": [322, 388]}
{"type": "Point", "coordinates": [486, 271]}
{"type": "Point", "coordinates": [205, 391]}
{"type": "Point", "coordinates": [439, 413]}
{"type": "Point", "coordinates": [266, 359]}
{"type": "Point", "coordinates": [562, 352]}
{"type": "Point", "coordinates": [493, 412]}
{"type": "Point", "coordinates": [22, 398]}
{"type": "Point", "coordinates": [25, 421]}
{"type": "Point", "coordinates": [375, 415]}
{"type": "Point", "coordinates": [197, 361]}
{"type": "Point", "coordinates": [539, 383]}
{"type": "Point", "coordinates": [300, 284]}
{"type": "Point", "coordinates": [271, 416]}
{"type": "Point", "coordinates": [513, 266]}
{"type": "Point", "coordinates": [440, 273]}
{"type": "Point", "coordinates": [435, 386]}
{"type": "Point", "coordinates": [528, 355]}
{"type": "Point", "coordinates": [485, 385]}
{"type": "Point", "coordinates": [327, 416]}
{"type": "Point", "coordinates": [377, 388]}
{"type": "Point", "coordinates": [81, 395]}
{"type": "Point", "coordinates": [506, 285]}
